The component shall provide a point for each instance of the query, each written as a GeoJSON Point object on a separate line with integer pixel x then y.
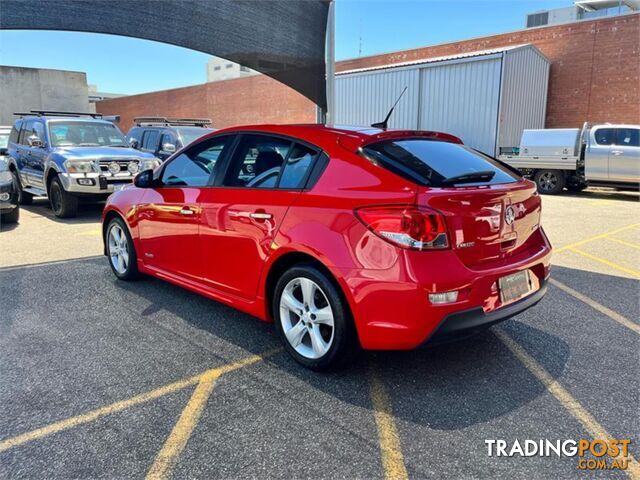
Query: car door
{"type": "Point", "coordinates": [169, 214]}
{"type": "Point", "coordinates": [597, 161]}
{"type": "Point", "coordinates": [241, 216]}
{"type": "Point", "coordinates": [624, 155]}
{"type": "Point", "coordinates": [17, 151]}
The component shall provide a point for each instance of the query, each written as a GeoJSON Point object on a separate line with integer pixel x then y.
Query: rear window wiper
{"type": "Point", "coordinates": [474, 177]}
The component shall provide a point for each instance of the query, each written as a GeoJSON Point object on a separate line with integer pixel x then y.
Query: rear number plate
{"type": "Point", "coordinates": [515, 286]}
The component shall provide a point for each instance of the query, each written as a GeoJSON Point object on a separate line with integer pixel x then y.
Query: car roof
{"type": "Point", "coordinates": [351, 137]}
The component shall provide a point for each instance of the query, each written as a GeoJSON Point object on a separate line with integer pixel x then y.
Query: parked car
{"type": "Point", "coordinates": [163, 136]}
{"type": "Point", "coordinates": [598, 155]}
{"type": "Point", "coordinates": [9, 208]}
{"type": "Point", "coordinates": [68, 156]}
{"type": "Point", "coordinates": [344, 238]}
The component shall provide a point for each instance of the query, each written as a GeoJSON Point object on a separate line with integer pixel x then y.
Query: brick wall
{"type": "Point", "coordinates": [595, 67]}
{"type": "Point", "coordinates": [249, 100]}
{"type": "Point", "coordinates": [595, 76]}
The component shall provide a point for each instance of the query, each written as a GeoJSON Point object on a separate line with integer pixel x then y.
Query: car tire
{"type": "Point", "coordinates": [121, 251]}
{"type": "Point", "coordinates": [319, 342]}
{"type": "Point", "coordinates": [24, 198]}
{"type": "Point", "coordinates": [550, 182]}
{"type": "Point", "coordinates": [63, 204]}
{"type": "Point", "coordinates": [12, 217]}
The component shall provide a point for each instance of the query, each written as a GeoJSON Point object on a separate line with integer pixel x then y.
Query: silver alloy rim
{"type": "Point", "coordinates": [118, 249]}
{"type": "Point", "coordinates": [306, 318]}
{"type": "Point", "coordinates": [548, 181]}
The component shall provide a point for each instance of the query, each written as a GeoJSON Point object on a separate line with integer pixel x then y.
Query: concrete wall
{"type": "Point", "coordinates": [24, 89]}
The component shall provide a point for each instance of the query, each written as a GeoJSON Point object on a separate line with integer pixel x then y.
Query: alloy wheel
{"type": "Point", "coordinates": [548, 181]}
{"type": "Point", "coordinates": [306, 317]}
{"type": "Point", "coordinates": [118, 249]}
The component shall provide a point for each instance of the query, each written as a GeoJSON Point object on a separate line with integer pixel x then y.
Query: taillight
{"type": "Point", "coordinates": [412, 227]}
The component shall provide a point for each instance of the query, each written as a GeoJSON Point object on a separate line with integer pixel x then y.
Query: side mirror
{"type": "Point", "coordinates": [34, 141]}
{"type": "Point", "coordinates": [169, 147]}
{"type": "Point", "coordinates": [144, 179]}
{"type": "Point", "coordinates": [133, 143]}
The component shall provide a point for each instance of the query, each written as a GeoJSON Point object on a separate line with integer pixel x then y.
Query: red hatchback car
{"type": "Point", "coordinates": [345, 238]}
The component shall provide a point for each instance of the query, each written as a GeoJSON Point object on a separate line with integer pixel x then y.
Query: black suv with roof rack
{"type": "Point", "coordinates": [68, 155]}
{"type": "Point", "coordinates": [162, 136]}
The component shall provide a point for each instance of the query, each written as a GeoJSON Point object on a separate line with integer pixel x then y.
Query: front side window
{"type": "Point", "coordinates": [436, 163]}
{"type": "Point", "coordinates": [38, 130]}
{"type": "Point", "coordinates": [628, 137]}
{"type": "Point", "coordinates": [194, 167]}
{"type": "Point", "coordinates": [605, 136]}
{"type": "Point", "coordinates": [258, 162]}
{"type": "Point", "coordinates": [85, 134]}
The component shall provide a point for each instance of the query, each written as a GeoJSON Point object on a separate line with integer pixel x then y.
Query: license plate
{"type": "Point", "coordinates": [119, 186]}
{"type": "Point", "coordinates": [515, 286]}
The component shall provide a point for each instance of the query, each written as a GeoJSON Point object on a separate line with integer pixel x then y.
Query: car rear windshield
{"type": "Point", "coordinates": [430, 162]}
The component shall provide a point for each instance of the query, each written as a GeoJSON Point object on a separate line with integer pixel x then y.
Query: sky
{"type": "Point", "coordinates": [363, 27]}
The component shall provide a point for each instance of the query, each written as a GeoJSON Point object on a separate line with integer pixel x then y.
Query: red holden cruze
{"type": "Point", "coordinates": [344, 238]}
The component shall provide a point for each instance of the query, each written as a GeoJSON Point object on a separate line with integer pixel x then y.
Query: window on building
{"type": "Point", "coordinates": [229, 65]}
{"type": "Point", "coordinates": [537, 19]}
{"type": "Point", "coordinates": [216, 68]}
{"type": "Point", "coordinates": [244, 69]}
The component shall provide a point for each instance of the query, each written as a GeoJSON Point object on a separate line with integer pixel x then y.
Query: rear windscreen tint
{"type": "Point", "coordinates": [429, 162]}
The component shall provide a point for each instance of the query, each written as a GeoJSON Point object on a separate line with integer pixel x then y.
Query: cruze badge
{"type": "Point", "coordinates": [509, 215]}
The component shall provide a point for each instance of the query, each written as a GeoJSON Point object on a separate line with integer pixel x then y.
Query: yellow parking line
{"type": "Point", "coordinates": [390, 451]}
{"type": "Point", "coordinates": [615, 266]}
{"type": "Point", "coordinates": [597, 306]}
{"type": "Point", "coordinates": [572, 405]}
{"type": "Point", "coordinates": [623, 242]}
{"type": "Point", "coordinates": [95, 414]}
{"type": "Point", "coordinates": [183, 429]}
{"type": "Point", "coordinates": [124, 404]}
{"type": "Point", "coordinates": [595, 237]}
{"type": "Point", "coordinates": [95, 232]}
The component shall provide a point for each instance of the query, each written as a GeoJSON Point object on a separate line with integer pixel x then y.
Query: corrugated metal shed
{"type": "Point", "coordinates": [485, 97]}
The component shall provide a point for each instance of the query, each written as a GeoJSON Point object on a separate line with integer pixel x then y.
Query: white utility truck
{"type": "Point", "coordinates": [597, 155]}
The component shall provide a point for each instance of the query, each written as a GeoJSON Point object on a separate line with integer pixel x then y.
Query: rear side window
{"type": "Point", "coordinates": [430, 162]}
{"type": "Point", "coordinates": [297, 167]}
{"type": "Point", "coordinates": [13, 137]}
{"type": "Point", "coordinates": [150, 140]}
{"type": "Point", "coordinates": [628, 137]}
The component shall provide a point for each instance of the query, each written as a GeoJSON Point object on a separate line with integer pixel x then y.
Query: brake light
{"type": "Point", "coordinates": [411, 227]}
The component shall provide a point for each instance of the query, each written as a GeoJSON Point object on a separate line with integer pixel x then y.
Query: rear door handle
{"type": "Point", "coordinates": [616, 152]}
{"type": "Point", "coordinates": [261, 215]}
{"type": "Point", "coordinates": [186, 211]}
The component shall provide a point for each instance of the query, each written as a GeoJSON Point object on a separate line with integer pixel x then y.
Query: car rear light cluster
{"type": "Point", "coordinates": [411, 227]}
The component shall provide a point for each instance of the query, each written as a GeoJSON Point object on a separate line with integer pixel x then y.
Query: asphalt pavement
{"type": "Point", "coordinates": [107, 379]}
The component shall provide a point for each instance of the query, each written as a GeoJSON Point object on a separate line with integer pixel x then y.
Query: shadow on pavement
{"type": "Point", "coordinates": [448, 387]}
{"type": "Point", "coordinates": [88, 212]}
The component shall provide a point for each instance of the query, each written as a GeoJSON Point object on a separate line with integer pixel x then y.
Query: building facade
{"type": "Point", "coordinates": [23, 89]}
{"type": "Point", "coordinates": [221, 69]}
{"type": "Point", "coordinates": [594, 76]}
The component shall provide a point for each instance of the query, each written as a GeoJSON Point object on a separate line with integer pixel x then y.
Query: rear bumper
{"type": "Point", "coordinates": [392, 310]}
{"type": "Point", "coordinates": [469, 322]}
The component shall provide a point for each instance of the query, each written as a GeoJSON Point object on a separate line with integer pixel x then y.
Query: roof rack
{"type": "Point", "coordinates": [169, 122]}
{"type": "Point", "coordinates": [48, 113]}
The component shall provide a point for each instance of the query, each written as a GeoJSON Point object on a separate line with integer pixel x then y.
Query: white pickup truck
{"type": "Point", "coordinates": [598, 155]}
